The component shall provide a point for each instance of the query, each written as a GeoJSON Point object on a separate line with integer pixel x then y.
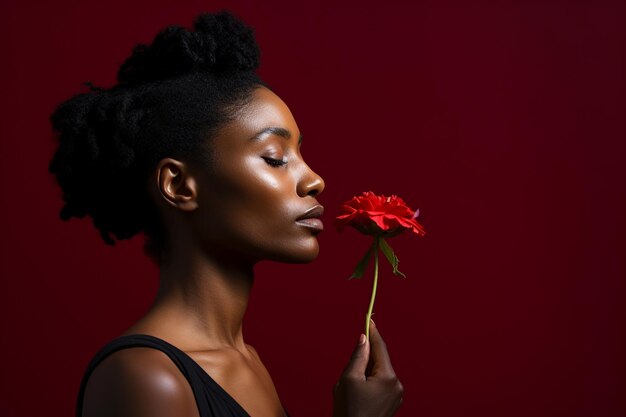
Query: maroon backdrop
{"type": "Point", "coordinates": [503, 122]}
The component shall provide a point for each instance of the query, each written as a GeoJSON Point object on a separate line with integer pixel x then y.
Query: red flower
{"type": "Point", "coordinates": [373, 214]}
{"type": "Point", "coordinates": [380, 217]}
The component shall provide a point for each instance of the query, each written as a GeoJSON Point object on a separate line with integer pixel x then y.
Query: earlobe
{"type": "Point", "coordinates": [176, 185]}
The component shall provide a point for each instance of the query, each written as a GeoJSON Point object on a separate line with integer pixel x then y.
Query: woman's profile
{"type": "Point", "coordinates": [193, 150]}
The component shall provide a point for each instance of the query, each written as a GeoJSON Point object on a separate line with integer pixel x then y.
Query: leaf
{"type": "Point", "coordinates": [360, 267]}
{"type": "Point", "coordinates": [391, 257]}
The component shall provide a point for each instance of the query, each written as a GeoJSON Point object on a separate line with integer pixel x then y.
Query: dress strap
{"type": "Point", "coordinates": [180, 359]}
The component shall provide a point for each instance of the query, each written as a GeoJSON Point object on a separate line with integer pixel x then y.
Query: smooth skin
{"type": "Point", "coordinates": [221, 219]}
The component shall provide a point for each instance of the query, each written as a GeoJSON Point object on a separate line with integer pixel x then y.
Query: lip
{"type": "Point", "coordinates": [311, 218]}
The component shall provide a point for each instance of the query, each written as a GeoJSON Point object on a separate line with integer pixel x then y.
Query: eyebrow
{"type": "Point", "coordinates": [278, 131]}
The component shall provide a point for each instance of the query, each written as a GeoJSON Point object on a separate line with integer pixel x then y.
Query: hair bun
{"type": "Point", "coordinates": [221, 43]}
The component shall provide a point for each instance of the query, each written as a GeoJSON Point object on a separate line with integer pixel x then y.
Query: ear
{"type": "Point", "coordinates": [176, 185]}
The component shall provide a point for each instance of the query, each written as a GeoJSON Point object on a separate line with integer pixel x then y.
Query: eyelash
{"type": "Point", "coordinates": [274, 162]}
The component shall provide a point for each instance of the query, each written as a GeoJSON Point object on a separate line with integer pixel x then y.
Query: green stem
{"type": "Point", "coordinates": [371, 307]}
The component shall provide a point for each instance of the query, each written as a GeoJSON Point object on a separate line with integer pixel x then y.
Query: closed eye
{"type": "Point", "coordinates": [274, 162]}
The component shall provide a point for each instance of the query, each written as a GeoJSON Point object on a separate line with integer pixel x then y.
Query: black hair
{"type": "Point", "coordinates": [170, 98]}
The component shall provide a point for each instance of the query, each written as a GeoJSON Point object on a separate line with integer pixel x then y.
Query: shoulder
{"type": "Point", "coordinates": [138, 382]}
{"type": "Point", "coordinates": [253, 351]}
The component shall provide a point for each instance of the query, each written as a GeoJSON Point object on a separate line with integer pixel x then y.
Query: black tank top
{"type": "Point", "coordinates": [212, 399]}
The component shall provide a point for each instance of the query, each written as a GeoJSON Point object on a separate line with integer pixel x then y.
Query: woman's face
{"type": "Point", "coordinates": [258, 198]}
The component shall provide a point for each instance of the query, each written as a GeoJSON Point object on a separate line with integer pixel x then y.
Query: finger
{"type": "Point", "coordinates": [379, 356]}
{"type": "Point", "coordinates": [358, 361]}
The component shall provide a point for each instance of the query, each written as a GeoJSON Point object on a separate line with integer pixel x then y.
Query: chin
{"type": "Point", "coordinates": [300, 254]}
{"type": "Point", "coordinates": [308, 258]}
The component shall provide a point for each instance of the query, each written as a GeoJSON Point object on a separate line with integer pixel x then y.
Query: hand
{"type": "Point", "coordinates": [368, 386]}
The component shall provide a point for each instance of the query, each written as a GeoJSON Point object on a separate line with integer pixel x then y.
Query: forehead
{"type": "Point", "coordinates": [264, 110]}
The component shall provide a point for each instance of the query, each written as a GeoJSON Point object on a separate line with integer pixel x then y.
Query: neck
{"type": "Point", "coordinates": [202, 301]}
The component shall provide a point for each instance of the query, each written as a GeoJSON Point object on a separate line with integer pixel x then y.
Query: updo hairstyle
{"type": "Point", "coordinates": [170, 99]}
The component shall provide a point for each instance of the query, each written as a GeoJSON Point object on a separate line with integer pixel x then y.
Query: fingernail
{"type": "Point", "coordinates": [362, 339]}
{"type": "Point", "coordinates": [373, 324]}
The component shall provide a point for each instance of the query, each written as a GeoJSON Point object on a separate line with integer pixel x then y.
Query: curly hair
{"type": "Point", "coordinates": [170, 98]}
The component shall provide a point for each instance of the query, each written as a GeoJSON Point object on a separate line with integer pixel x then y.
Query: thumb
{"type": "Point", "coordinates": [358, 361]}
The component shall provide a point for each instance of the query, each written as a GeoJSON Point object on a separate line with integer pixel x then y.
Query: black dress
{"type": "Point", "coordinates": [212, 399]}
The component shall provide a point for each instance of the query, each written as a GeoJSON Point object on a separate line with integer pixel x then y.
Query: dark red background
{"type": "Point", "coordinates": [503, 122]}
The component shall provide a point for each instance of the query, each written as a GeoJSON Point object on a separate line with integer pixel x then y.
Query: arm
{"type": "Point", "coordinates": [138, 382]}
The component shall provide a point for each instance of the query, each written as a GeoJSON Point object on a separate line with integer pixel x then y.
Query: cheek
{"type": "Point", "coordinates": [250, 196]}
{"type": "Point", "coordinates": [252, 210]}
{"type": "Point", "coordinates": [257, 177]}
{"type": "Point", "coordinates": [257, 187]}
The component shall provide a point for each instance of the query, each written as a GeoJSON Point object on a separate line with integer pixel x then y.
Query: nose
{"type": "Point", "coordinates": [310, 183]}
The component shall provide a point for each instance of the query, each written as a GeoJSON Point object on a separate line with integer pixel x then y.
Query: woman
{"type": "Point", "coordinates": [192, 149]}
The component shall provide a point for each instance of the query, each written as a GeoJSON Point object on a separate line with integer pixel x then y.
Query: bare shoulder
{"type": "Point", "coordinates": [138, 382]}
{"type": "Point", "coordinates": [253, 350]}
